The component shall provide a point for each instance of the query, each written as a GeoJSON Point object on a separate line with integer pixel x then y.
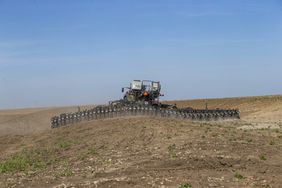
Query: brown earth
{"type": "Point", "coordinates": [139, 152]}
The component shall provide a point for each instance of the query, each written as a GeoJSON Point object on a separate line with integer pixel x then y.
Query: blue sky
{"type": "Point", "coordinates": [70, 52]}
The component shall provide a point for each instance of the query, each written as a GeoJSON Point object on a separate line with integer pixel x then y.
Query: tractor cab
{"type": "Point", "coordinates": [143, 90]}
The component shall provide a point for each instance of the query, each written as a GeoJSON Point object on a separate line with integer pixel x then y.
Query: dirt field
{"type": "Point", "coordinates": [138, 152]}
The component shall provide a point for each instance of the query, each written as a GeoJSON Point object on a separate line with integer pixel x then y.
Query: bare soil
{"type": "Point", "coordinates": [146, 152]}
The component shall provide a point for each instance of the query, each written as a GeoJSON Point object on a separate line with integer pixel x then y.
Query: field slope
{"type": "Point", "coordinates": [139, 152]}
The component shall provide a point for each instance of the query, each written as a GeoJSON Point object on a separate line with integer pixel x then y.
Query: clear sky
{"type": "Point", "coordinates": [70, 52]}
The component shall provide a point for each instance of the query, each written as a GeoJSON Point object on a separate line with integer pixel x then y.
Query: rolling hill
{"type": "Point", "coordinates": [145, 152]}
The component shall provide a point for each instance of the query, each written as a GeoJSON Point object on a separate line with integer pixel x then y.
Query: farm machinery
{"type": "Point", "coordinates": [141, 98]}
